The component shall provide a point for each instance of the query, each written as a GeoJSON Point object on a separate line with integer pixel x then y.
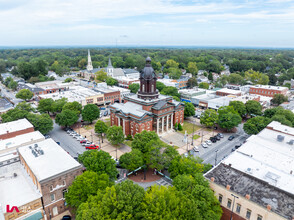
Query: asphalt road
{"type": "Point", "coordinates": [10, 95]}
{"type": "Point", "coordinates": [67, 142]}
{"type": "Point", "coordinates": [223, 147]}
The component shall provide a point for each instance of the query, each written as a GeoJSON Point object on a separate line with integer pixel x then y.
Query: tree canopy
{"type": "Point", "coordinates": [189, 109]}
{"type": "Point", "coordinates": [228, 118]}
{"type": "Point", "coordinates": [24, 94]}
{"type": "Point", "coordinates": [90, 112]}
{"type": "Point", "coordinates": [134, 87]}
{"type": "Point", "coordinates": [115, 135]}
{"type": "Point", "coordinates": [66, 118]}
{"type": "Point", "coordinates": [253, 107]}
{"type": "Point", "coordinates": [209, 118]}
{"type": "Point", "coordinates": [239, 107]}
{"type": "Point", "coordinates": [256, 124]}
{"type": "Point", "coordinates": [279, 99]}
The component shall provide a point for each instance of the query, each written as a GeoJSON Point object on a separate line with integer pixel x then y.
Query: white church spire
{"type": "Point", "coordinates": [89, 66]}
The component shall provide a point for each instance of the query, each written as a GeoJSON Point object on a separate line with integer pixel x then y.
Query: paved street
{"type": "Point", "coordinates": [10, 94]}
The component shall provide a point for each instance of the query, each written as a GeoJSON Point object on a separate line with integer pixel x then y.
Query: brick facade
{"type": "Point", "coordinates": [16, 133]}
{"type": "Point", "coordinates": [112, 97]}
{"type": "Point", "coordinates": [270, 92]}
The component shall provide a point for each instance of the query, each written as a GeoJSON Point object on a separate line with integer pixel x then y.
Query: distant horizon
{"type": "Point", "coordinates": [139, 46]}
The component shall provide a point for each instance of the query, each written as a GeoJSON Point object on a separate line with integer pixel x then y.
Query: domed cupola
{"type": "Point", "coordinates": [148, 82]}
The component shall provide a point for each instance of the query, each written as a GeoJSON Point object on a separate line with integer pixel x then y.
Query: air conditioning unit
{"type": "Point", "coordinates": [280, 138]}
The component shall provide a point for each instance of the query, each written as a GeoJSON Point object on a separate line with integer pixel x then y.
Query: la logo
{"type": "Point", "coordinates": [12, 208]}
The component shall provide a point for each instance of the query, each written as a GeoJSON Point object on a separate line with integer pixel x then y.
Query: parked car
{"type": "Point", "coordinates": [83, 141]}
{"type": "Point", "coordinates": [196, 149]}
{"type": "Point", "coordinates": [220, 135]}
{"type": "Point", "coordinates": [92, 147]}
{"type": "Point", "coordinates": [213, 139]}
{"type": "Point", "coordinates": [66, 217]}
{"type": "Point", "coordinates": [204, 145]}
{"type": "Point", "coordinates": [231, 138]}
{"type": "Point", "coordinates": [237, 146]}
{"type": "Point", "coordinates": [86, 143]}
{"type": "Point", "coordinates": [233, 149]}
{"type": "Point", "coordinates": [106, 113]}
{"type": "Point", "coordinates": [208, 142]}
{"type": "Point", "coordinates": [46, 136]}
{"type": "Point", "coordinates": [57, 142]}
{"type": "Point", "coordinates": [217, 138]}
{"type": "Point", "coordinates": [78, 137]}
{"type": "Point", "coordinates": [102, 108]}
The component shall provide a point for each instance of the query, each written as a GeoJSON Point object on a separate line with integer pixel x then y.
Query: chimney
{"type": "Point", "coordinates": [212, 179]}
{"type": "Point", "coordinates": [291, 172]}
{"type": "Point", "coordinates": [247, 196]}
{"type": "Point", "coordinates": [228, 187]}
{"type": "Point", "coordinates": [268, 207]}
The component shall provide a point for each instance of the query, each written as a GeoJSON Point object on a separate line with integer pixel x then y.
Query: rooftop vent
{"type": "Point", "coordinates": [291, 142]}
{"type": "Point", "coordinates": [280, 138]}
{"type": "Point", "coordinates": [15, 174]}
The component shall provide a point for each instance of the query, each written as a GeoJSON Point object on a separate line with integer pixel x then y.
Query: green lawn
{"type": "Point", "coordinates": [189, 128]}
{"type": "Point", "coordinates": [107, 122]}
{"type": "Point", "coordinates": [129, 143]}
{"type": "Point", "coordinates": [88, 127]}
{"type": "Point", "coordinates": [196, 137]}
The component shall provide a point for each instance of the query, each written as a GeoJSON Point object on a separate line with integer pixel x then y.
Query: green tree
{"type": "Point", "coordinates": [228, 118]}
{"type": "Point", "coordinates": [279, 99]}
{"type": "Point", "coordinates": [169, 154]}
{"type": "Point", "coordinates": [239, 107]}
{"type": "Point", "coordinates": [67, 80]}
{"type": "Point", "coordinates": [235, 78]}
{"type": "Point", "coordinates": [134, 87]}
{"type": "Point", "coordinates": [121, 201]}
{"type": "Point", "coordinates": [42, 123]}
{"type": "Point", "coordinates": [141, 139]}
{"type": "Point", "coordinates": [73, 106]}
{"type": "Point", "coordinates": [99, 162]}
{"type": "Point", "coordinates": [26, 106]}
{"type": "Point", "coordinates": [58, 104]}
{"type": "Point", "coordinates": [24, 94]}
{"type": "Point", "coordinates": [13, 85]}
{"type": "Point", "coordinates": [209, 118]}
{"type": "Point", "coordinates": [256, 77]}
{"type": "Point", "coordinates": [171, 64]}
{"type": "Point", "coordinates": [13, 115]}
{"type": "Point", "coordinates": [90, 112]}
{"type": "Point", "coordinates": [66, 118]}
{"type": "Point", "coordinates": [115, 135]}
{"type": "Point", "coordinates": [171, 91]}
{"type": "Point", "coordinates": [288, 85]}
{"type": "Point", "coordinates": [160, 86]}
{"type": "Point", "coordinates": [192, 68]}
{"type": "Point", "coordinates": [176, 98]}
{"type": "Point", "coordinates": [282, 119]}
{"type": "Point", "coordinates": [185, 165]}
{"type": "Point", "coordinates": [253, 107]}
{"type": "Point", "coordinates": [101, 76]}
{"type": "Point", "coordinates": [180, 128]}
{"type": "Point", "coordinates": [45, 105]}
{"type": "Point", "coordinates": [84, 186]}
{"type": "Point", "coordinates": [154, 158]}
{"type": "Point", "coordinates": [111, 82]}
{"type": "Point", "coordinates": [210, 76]}
{"type": "Point", "coordinates": [192, 82]}
{"type": "Point", "coordinates": [256, 124]}
{"type": "Point", "coordinates": [174, 73]}
{"type": "Point", "coordinates": [270, 112]}
{"type": "Point", "coordinates": [132, 160]}
{"type": "Point", "coordinates": [203, 85]}
{"type": "Point", "coordinates": [189, 109]}
{"type": "Point", "coordinates": [101, 128]}
{"type": "Point", "coordinates": [82, 63]}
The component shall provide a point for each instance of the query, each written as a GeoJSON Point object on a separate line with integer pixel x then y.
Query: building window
{"type": "Point", "coordinates": [51, 187]}
{"type": "Point", "coordinates": [63, 192]}
{"type": "Point", "coordinates": [143, 88]}
{"type": "Point", "coordinates": [220, 198]}
{"type": "Point", "coordinates": [229, 203]}
{"type": "Point", "coordinates": [248, 214]}
{"type": "Point", "coordinates": [259, 217]}
{"type": "Point", "coordinates": [238, 208]}
{"type": "Point", "coordinates": [52, 197]}
{"type": "Point", "coordinates": [63, 182]}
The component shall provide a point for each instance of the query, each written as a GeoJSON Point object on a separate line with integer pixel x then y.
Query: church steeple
{"type": "Point", "coordinates": [109, 68]}
{"type": "Point", "coordinates": [89, 66]}
{"type": "Point", "coordinates": [109, 62]}
{"type": "Point", "coordinates": [148, 82]}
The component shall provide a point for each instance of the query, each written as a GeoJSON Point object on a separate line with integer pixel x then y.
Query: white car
{"type": "Point", "coordinates": [196, 149]}
{"type": "Point", "coordinates": [78, 137]}
{"type": "Point", "coordinates": [208, 142]}
{"type": "Point", "coordinates": [204, 145]}
{"type": "Point", "coordinates": [87, 143]}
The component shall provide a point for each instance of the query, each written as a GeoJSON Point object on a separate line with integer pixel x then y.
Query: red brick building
{"type": "Point", "coordinates": [266, 90]}
{"type": "Point", "coordinates": [15, 128]}
{"type": "Point", "coordinates": [147, 110]}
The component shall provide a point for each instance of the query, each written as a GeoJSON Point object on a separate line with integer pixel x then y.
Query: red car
{"type": "Point", "coordinates": [92, 147]}
{"type": "Point", "coordinates": [83, 141]}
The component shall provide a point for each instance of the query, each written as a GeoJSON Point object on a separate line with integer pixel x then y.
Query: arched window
{"type": "Point", "coordinates": [152, 88]}
{"type": "Point", "coordinates": [143, 88]}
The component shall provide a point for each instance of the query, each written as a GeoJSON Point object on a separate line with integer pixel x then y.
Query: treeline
{"type": "Point", "coordinates": [35, 62]}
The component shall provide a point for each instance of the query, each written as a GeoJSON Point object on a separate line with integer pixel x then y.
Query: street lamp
{"type": "Point", "coordinates": [233, 205]}
{"type": "Point", "coordinates": [215, 157]}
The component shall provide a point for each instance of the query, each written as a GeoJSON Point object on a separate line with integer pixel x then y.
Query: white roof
{"type": "Point", "coordinates": [14, 126]}
{"type": "Point", "coordinates": [55, 160]}
{"type": "Point", "coordinates": [191, 91]}
{"type": "Point", "coordinates": [266, 158]}
{"type": "Point", "coordinates": [269, 87]}
{"type": "Point", "coordinates": [16, 190]}
{"type": "Point", "coordinates": [130, 108]}
{"type": "Point", "coordinates": [230, 91]}
{"type": "Point", "coordinates": [20, 140]}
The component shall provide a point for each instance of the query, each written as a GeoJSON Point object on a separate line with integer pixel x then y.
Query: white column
{"type": "Point", "coordinates": [167, 123]}
{"type": "Point", "coordinates": [157, 128]}
{"type": "Point", "coordinates": [162, 123]}
{"type": "Point", "coordinates": [124, 128]}
{"type": "Point", "coordinates": [172, 119]}
{"type": "Point", "coordinates": [118, 119]}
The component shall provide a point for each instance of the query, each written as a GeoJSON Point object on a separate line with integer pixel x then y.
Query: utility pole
{"type": "Point", "coordinates": [233, 205]}
{"type": "Point", "coordinates": [215, 161]}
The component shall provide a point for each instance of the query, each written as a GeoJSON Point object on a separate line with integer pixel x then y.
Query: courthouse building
{"type": "Point", "coordinates": [147, 110]}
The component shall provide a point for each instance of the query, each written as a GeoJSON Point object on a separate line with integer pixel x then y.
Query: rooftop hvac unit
{"type": "Point", "coordinates": [291, 142]}
{"type": "Point", "coordinates": [30, 147]}
{"type": "Point", "coordinates": [15, 174]}
{"type": "Point", "coordinates": [280, 138]}
{"type": "Point", "coordinates": [36, 145]}
{"type": "Point", "coordinates": [41, 152]}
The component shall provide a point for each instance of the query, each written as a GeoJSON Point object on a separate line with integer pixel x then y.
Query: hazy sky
{"type": "Point", "coordinates": [268, 23]}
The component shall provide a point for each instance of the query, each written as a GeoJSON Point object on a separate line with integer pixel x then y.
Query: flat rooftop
{"type": "Point", "coordinates": [268, 158]}
{"type": "Point", "coordinates": [53, 161]}
{"type": "Point", "coordinates": [269, 87]}
{"type": "Point", "coordinates": [130, 108]}
{"type": "Point", "coordinates": [5, 104]}
{"type": "Point", "coordinates": [230, 91]}
{"type": "Point", "coordinates": [14, 126]}
{"type": "Point", "coordinates": [191, 91]}
{"type": "Point", "coordinates": [16, 186]}
{"type": "Point", "coordinates": [20, 140]}
{"type": "Point", "coordinates": [260, 191]}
